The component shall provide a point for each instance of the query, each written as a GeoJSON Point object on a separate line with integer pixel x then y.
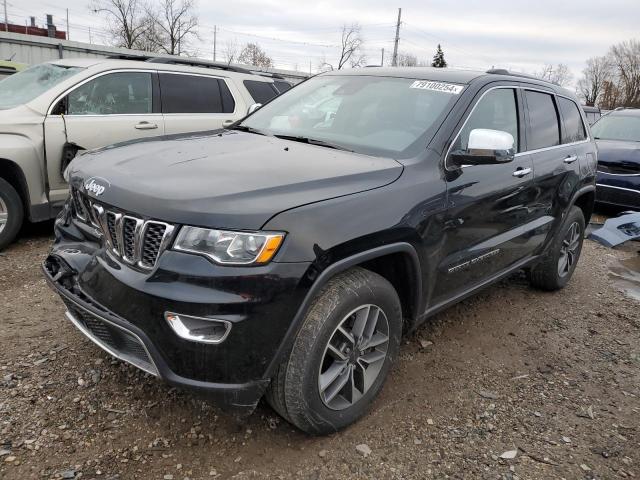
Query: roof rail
{"type": "Point", "coordinates": [617, 109]}
{"type": "Point", "coordinates": [504, 71]}
{"type": "Point", "coordinates": [179, 61]}
{"type": "Point", "coordinates": [268, 74]}
{"type": "Point", "coordinates": [129, 56]}
{"type": "Point", "coordinates": [197, 63]}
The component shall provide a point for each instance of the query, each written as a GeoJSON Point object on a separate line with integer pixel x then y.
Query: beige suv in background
{"type": "Point", "coordinates": [51, 111]}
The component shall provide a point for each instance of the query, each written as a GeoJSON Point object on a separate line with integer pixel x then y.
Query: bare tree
{"type": "Point", "coordinates": [625, 59]}
{"type": "Point", "coordinates": [126, 20]}
{"type": "Point", "coordinates": [594, 76]}
{"type": "Point", "coordinates": [558, 74]}
{"type": "Point", "coordinates": [407, 60]}
{"type": "Point", "coordinates": [230, 51]}
{"type": "Point", "coordinates": [252, 54]}
{"type": "Point", "coordinates": [324, 66]}
{"type": "Point", "coordinates": [174, 22]}
{"type": "Point", "coordinates": [351, 43]}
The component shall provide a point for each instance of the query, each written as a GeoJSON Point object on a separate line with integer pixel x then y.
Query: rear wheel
{"type": "Point", "coordinates": [559, 263]}
{"type": "Point", "coordinates": [342, 354]}
{"type": "Point", "coordinates": [11, 213]}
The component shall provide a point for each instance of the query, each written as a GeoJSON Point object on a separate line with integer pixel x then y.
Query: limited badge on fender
{"type": "Point", "coordinates": [437, 86]}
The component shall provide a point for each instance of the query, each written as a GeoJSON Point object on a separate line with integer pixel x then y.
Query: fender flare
{"type": "Point", "coordinates": [335, 269]}
{"type": "Point", "coordinates": [22, 152]}
{"type": "Point", "coordinates": [579, 193]}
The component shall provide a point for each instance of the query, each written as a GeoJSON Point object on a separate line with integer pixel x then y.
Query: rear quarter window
{"type": "Point", "coordinates": [261, 92]}
{"type": "Point", "coordinates": [574, 130]}
{"type": "Point", "coordinates": [194, 94]}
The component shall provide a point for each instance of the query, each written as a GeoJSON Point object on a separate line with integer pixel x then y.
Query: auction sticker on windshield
{"type": "Point", "coordinates": [438, 86]}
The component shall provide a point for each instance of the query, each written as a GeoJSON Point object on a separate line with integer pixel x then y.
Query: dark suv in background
{"type": "Point", "coordinates": [617, 135]}
{"type": "Point", "coordinates": [287, 255]}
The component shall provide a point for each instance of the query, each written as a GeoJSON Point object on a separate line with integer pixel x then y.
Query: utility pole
{"type": "Point", "coordinates": [67, 24]}
{"type": "Point", "coordinates": [382, 59]}
{"type": "Point", "coordinates": [394, 60]}
{"type": "Point", "coordinates": [215, 41]}
{"type": "Point", "coordinates": [6, 19]}
{"type": "Point", "coordinates": [309, 67]}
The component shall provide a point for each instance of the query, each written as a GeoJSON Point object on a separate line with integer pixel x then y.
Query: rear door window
{"type": "Point", "coordinates": [544, 126]}
{"type": "Point", "coordinates": [574, 130]}
{"type": "Point", "coordinates": [194, 94]}
{"type": "Point", "coordinates": [261, 92]}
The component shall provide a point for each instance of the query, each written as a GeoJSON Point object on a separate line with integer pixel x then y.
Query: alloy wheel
{"type": "Point", "coordinates": [569, 249]}
{"type": "Point", "coordinates": [354, 356]}
{"type": "Point", "coordinates": [4, 214]}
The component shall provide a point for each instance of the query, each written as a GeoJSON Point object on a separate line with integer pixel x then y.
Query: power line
{"type": "Point", "coordinates": [452, 45]}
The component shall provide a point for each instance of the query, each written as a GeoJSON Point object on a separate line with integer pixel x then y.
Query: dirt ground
{"type": "Point", "coordinates": [553, 379]}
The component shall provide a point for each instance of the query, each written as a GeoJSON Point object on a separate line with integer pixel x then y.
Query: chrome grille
{"type": "Point", "coordinates": [129, 237]}
{"type": "Point", "coordinates": [111, 229]}
{"type": "Point", "coordinates": [138, 242]}
{"type": "Point", "coordinates": [153, 236]}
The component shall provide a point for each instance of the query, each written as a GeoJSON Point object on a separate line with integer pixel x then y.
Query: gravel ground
{"type": "Point", "coordinates": [511, 383]}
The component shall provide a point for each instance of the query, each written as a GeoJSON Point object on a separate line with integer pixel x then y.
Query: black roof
{"type": "Point", "coordinates": [447, 75]}
{"type": "Point", "coordinates": [421, 73]}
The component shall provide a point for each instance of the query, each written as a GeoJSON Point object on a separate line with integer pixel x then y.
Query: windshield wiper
{"type": "Point", "coordinates": [244, 128]}
{"type": "Point", "coordinates": [313, 141]}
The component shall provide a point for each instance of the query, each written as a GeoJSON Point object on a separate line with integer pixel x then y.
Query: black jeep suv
{"type": "Point", "coordinates": [287, 255]}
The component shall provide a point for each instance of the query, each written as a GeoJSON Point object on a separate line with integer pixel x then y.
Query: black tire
{"type": "Point", "coordinates": [295, 390]}
{"type": "Point", "coordinates": [14, 210]}
{"type": "Point", "coordinates": [546, 275]}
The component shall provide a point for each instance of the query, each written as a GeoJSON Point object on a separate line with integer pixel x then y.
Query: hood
{"type": "Point", "coordinates": [619, 153]}
{"type": "Point", "coordinates": [225, 180]}
{"type": "Point", "coordinates": [22, 115]}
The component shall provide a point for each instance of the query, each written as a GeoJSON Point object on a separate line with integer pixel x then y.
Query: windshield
{"type": "Point", "coordinates": [380, 116]}
{"type": "Point", "coordinates": [24, 86]}
{"type": "Point", "coordinates": [617, 127]}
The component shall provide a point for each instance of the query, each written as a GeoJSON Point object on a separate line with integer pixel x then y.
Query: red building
{"type": "Point", "coordinates": [49, 31]}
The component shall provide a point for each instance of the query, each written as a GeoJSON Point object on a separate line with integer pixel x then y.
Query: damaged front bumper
{"type": "Point", "coordinates": [127, 342]}
{"type": "Point", "coordinates": [131, 313]}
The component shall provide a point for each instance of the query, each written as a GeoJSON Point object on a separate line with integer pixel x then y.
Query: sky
{"type": "Point", "coordinates": [518, 35]}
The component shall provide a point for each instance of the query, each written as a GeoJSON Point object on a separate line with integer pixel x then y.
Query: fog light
{"type": "Point", "coordinates": [198, 329]}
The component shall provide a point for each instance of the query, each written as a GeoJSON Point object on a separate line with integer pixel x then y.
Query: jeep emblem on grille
{"type": "Point", "coordinates": [91, 186]}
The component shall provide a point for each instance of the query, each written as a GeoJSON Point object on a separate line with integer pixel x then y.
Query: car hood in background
{"type": "Point", "coordinates": [618, 152]}
{"type": "Point", "coordinates": [225, 180]}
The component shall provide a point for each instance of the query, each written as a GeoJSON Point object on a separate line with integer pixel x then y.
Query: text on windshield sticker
{"type": "Point", "coordinates": [437, 86]}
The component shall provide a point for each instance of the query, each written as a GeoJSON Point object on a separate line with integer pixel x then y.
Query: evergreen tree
{"type": "Point", "coordinates": [438, 59]}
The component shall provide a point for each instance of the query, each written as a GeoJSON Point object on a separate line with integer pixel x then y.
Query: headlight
{"type": "Point", "coordinates": [231, 248]}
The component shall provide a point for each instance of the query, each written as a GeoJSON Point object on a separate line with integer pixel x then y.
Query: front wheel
{"type": "Point", "coordinates": [341, 355]}
{"type": "Point", "coordinates": [11, 213]}
{"type": "Point", "coordinates": [557, 267]}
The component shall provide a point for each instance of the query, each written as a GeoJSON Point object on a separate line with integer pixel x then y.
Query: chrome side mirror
{"type": "Point", "coordinates": [486, 147]}
{"type": "Point", "coordinates": [253, 108]}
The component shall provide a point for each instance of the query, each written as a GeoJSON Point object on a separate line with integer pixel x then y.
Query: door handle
{"type": "Point", "coordinates": [228, 123]}
{"type": "Point", "coordinates": [522, 172]}
{"type": "Point", "coordinates": [571, 159]}
{"type": "Point", "coordinates": [146, 126]}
